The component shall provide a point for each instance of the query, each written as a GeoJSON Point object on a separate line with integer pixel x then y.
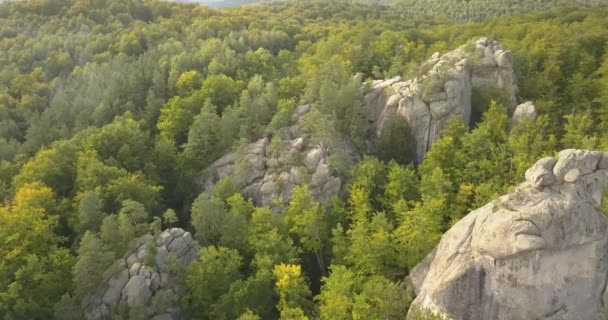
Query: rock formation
{"type": "Point", "coordinates": [526, 110]}
{"type": "Point", "coordinates": [265, 175]}
{"type": "Point", "coordinates": [146, 278]}
{"type": "Point", "coordinates": [540, 252]}
{"type": "Point", "coordinates": [442, 91]}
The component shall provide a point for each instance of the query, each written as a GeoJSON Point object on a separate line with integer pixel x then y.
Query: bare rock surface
{"type": "Point", "coordinates": [266, 175]}
{"type": "Point", "coordinates": [442, 90]}
{"type": "Point", "coordinates": [526, 110]}
{"type": "Point", "coordinates": [132, 283]}
{"type": "Point", "coordinates": [540, 252]}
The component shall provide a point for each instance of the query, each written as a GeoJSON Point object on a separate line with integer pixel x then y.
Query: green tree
{"type": "Point", "coordinates": [235, 227]}
{"type": "Point", "coordinates": [337, 293]}
{"type": "Point", "coordinates": [221, 90]}
{"type": "Point", "coordinates": [308, 224]}
{"type": "Point", "coordinates": [204, 138]}
{"type": "Point", "coordinates": [208, 278]}
{"type": "Point", "coordinates": [188, 82]}
{"type": "Point", "coordinates": [295, 296]}
{"type": "Point", "coordinates": [93, 260]}
{"type": "Point", "coordinates": [419, 230]}
{"type": "Point", "coordinates": [170, 217]}
{"type": "Point", "coordinates": [578, 132]}
{"type": "Point", "coordinates": [396, 142]}
{"type": "Point", "coordinates": [208, 215]}
{"type": "Point", "coordinates": [90, 214]}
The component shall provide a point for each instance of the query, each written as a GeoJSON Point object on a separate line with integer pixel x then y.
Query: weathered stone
{"type": "Point", "coordinates": [505, 59]}
{"type": "Point", "coordinates": [428, 110]}
{"type": "Point", "coordinates": [393, 101]}
{"type": "Point", "coordinates": [178, 246]}
{"type": "Point", "coordinates": [603, 164]}
{"type": "Point", "coordinates": [523, 111]}
{"type": "Point", "coordinates": [540, 174]}
{"type": "Point", "coordinates": [134, 270]}
{"type": "Point", "coordinates": [332, 187]}
{"type": "Point", "coordinates": [312, 159]}
{"type": "Point", "coordinates": [136, 291]}
{"type": "Point", "coordinates": [161, 256]}
{"type": "Point", "coordinates": [527, 255]}
{"type": "Point", "coordinates": [135, 283]}
{"type": "Point", "coordinates": [302, 110]}
{"type": "Point", "coordinates": [131, 259]}
{"type": "Point", "coordinates": [297, 144]}
{"type": "Point", "coordinates": [358, 78]}
{"type": "Point", "coordinates": [261, 166]}
{"type": "Point", "coordinates": [585, 161]}
{"type": "Point", "coordinates": [115, 285]}
{"type": "Point", "coordinates": [320, 176]}
{"type": "Point", "coordinates": [418, 116]}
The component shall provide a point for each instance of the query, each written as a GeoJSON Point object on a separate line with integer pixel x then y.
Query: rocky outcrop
{"type": "Point", "coordinates": [266, 173]}
{"type": "Point", "coordinates": [526, 110]}
{"type": "Point", "coordinates": [146, 278]}
{"type": "Point", "coordinates": [442, 90]}
{"type": "Point", "coordinates": [540, 252]}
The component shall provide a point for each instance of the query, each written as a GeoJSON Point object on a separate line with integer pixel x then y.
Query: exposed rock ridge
{"type": "Point", "coordinates": [265, 175]}
{"type": "Point", "coordinates": [132, 283]}
{"type": "Point", "coordinates": [539, 252]}
{"type": "Point", "coordinates": [442, 90]}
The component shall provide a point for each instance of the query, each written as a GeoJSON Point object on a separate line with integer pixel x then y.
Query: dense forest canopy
{"type": "Point", "coordinates": [459, 10]}
{"type": "Point", "coordinates": [110, 109]}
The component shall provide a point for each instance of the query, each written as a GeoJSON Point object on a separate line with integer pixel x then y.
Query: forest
{"type": "Point", "coordinates": [109, 110]}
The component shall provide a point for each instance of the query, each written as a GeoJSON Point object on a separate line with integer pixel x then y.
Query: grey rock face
{"type": "Point", "coordinates": [526, 110]}
{"type": "Point", "coordinates": [442, 91]}
{"type": "Point", "coordinates": [540, 252]}
{"type": "Point", "coordinates": [132, 283]}
{"type": "Point", "coordinates": [269, 175]}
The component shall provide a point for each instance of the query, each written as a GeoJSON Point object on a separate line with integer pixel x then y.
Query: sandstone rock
{"type": "Point", "coordinates": [358, 78]}
{"type": "Point", "coordinates": [135, 283]}
{"type": "Point", "coordinates": [540, 174]}
{"type": "Point", "coordinates": [134, 270]}
{"type": "Point", "coordinates": [532, 254]}
{"type": "Point", "coordinates": [178, 246]}
{"type": "Point", "coordinates": [603, 164]}
{"type": "Point", "coordinates": [569, 159]}
{"type": "Point", "coordinates": [321, 175]}
{"type": "Point", "coordinates": [115, 285]}
{"type": "Point", "coordinates": [302, 110]}
{"type": "Point", "coordinates": [312, 159]}
{"type": "Point", "coordinates": [136, 292]}
{"type": "Point", "coordinates": [442, 92]}
{"type": "Point", "coordinates": [269, 176]}
{"type": "Point", "coordinates": [297, 144]}
{"type": "Point", "coordinates": [523, 111]}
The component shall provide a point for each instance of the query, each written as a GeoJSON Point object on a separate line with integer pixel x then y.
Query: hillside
{"type": "Point", "coordinates": [477, 10]}
{"type": "Point", "coordinates": [457, 10]}
{"type": "Point", "coordinates": [288, 160]}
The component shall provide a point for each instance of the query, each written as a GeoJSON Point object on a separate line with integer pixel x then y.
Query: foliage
{"type": "Point", "coordinates": [110, 113]}
{"type": "Point", "coordinates": [208, 278]}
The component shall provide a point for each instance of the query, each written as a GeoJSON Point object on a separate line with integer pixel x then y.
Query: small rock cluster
{"type": "Point", "coordinates": [265, 176]}
{"type": "Point", "coordinates": [537, 253]}
{"type": "Point", "coordinates": [442, 91]}
{"type": "Point", "coordinates": [132, 283]}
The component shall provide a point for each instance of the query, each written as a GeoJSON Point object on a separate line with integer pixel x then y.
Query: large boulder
{"type": "Point", "coordinates": [526, 110]}
{"type": "Point", "coordinates": [151, 269]}
{"type": "Point", "coordinates": [442, 91]}
{"type": "Point", "coordinates": [540, 252]}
